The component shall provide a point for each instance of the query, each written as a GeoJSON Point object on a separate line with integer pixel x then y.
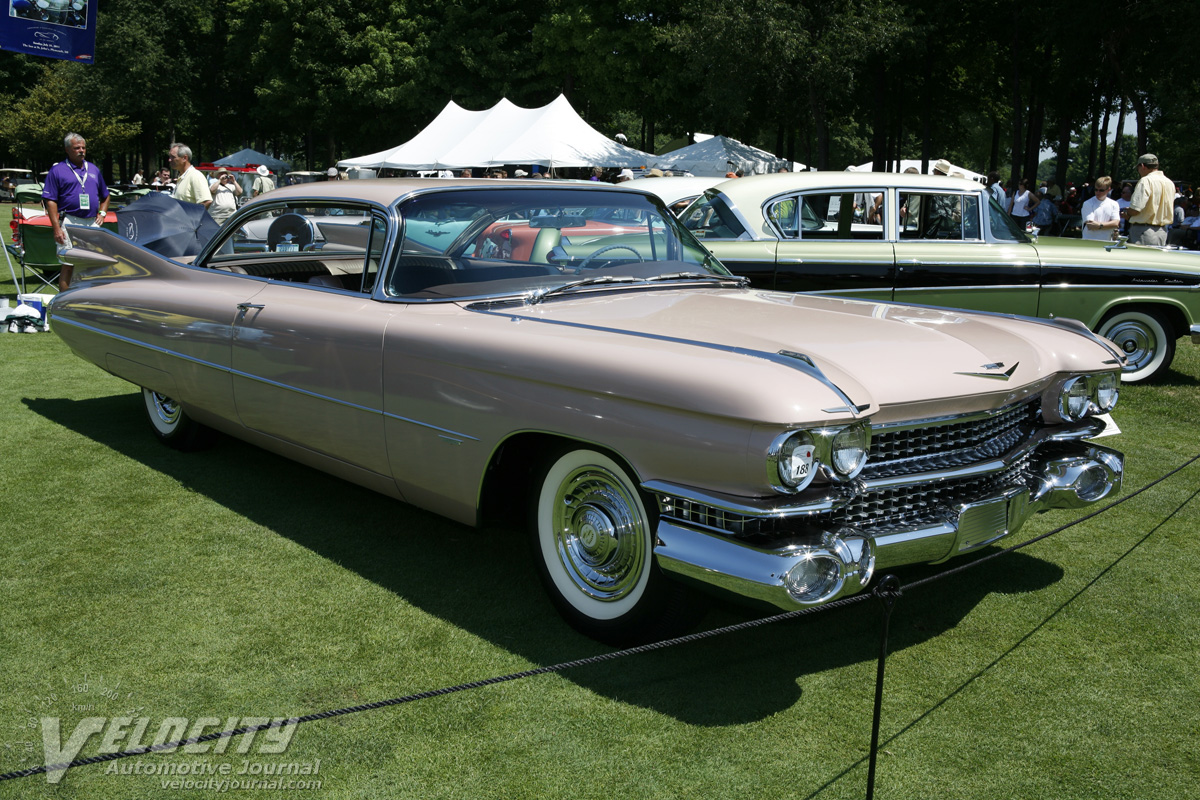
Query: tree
{"type": "Point", "coordinates": [34, 127]}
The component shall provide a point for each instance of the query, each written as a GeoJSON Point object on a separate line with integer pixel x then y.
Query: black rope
{"type": "Point", "coordinates": [566, 665]}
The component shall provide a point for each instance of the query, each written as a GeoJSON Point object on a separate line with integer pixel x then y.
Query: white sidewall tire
{"type": "Point", "coordinates": [1144, 336]}
{"type": "Point", "coordinates": [172, 426]}
{"type": "Point", "coordinates": [561, 567]}
{"type": "Point", "coordinates": [164, 414]}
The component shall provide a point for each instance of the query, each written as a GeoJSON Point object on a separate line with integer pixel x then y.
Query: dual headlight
{"type": "Point", "coordinates": [796, 457]}
{"type": "Point", "coordinates": [1082, 396]}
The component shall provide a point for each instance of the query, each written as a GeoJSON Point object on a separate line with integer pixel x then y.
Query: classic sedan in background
{"type": "Point", "coordinates": [664, 425]}
{"type": "Point", "coordinates": [942, 241]}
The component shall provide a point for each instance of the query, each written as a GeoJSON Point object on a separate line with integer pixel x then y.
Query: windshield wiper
{"type": "Point", "coordinates": [538, 295]}
{"type": "Point", "coordinates": [699, 276]}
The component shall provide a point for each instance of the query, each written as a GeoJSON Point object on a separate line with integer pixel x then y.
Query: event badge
{"type": "Point", "coordinates": [85, 202]}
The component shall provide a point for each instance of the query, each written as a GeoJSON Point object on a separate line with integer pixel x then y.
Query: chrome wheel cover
{"type": "Point", "coordinates": [599, 534]}
{"type": "Point", "coordinates": [1141, 338]}
{"type": "Point", "coordinates": [1136, 341]}
{"type": "Point", "coordinates": [165, 409]}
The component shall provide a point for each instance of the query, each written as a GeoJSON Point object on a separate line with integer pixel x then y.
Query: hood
{"type": "Point", "coordinates": [873, 354]}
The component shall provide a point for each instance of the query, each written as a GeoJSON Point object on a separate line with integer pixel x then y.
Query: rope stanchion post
{"type": "Point", "coordinates": [887, 592]}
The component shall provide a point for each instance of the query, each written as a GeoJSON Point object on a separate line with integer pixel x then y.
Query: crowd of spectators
{"type": "Point", "coordinates": [1058, 211]}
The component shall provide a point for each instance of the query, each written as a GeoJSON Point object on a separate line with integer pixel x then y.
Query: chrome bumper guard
{"type": "Point", "coordinates": [835, 563]}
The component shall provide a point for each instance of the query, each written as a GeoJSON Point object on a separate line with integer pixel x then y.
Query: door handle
{"type": "Point", "coordinates": [244, 307]}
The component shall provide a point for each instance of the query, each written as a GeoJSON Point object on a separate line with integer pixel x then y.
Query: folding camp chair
{"type": "Point", "coordinates": [28, 194]}
{"type": "Point", "coordinates": [39, 256]}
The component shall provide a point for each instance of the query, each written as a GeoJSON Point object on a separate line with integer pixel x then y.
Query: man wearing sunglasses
{"type": "Point", "coordinates": [1101, 214]}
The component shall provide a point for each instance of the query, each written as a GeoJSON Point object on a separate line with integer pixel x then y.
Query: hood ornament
{"type": "Point", "coordinates": [994, 375]}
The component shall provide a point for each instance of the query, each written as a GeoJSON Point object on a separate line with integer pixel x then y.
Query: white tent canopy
{"type": "Point", "coordinates": [716, 155]}
{"type": "Point", "coordinates": [551, 136]}
{"type": "Point", "coordinates": [915, 163]}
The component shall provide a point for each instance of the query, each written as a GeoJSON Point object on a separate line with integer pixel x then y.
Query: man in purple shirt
{"type": "Point", "coordinates": [75, 194]}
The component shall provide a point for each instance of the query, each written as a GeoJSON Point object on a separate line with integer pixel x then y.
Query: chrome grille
{"type": "Point", "coordinates": [908, 450]}
{"type": "Point", "coordinates": [949, 444]}
{"type": "Point", "coordinates": [903, 507]}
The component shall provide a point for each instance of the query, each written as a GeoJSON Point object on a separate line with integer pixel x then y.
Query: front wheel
{"type": "Point", "coordinates": [1144, 336]}
{"type": "Point", "coordinates": [172, 426]}
{"type": "Point", "coordinates": [592, 541]}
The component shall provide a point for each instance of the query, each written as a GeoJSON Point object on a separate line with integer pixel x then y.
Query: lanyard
{"type": "Point", "coordinates": [82, 181]}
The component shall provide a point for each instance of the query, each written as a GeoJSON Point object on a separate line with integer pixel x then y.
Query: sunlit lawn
{"type": "Point", "coordinates": [233, 584]}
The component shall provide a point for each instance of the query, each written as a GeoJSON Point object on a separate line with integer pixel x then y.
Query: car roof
{"type": "Point", "coordinates": [671, 189]}
{"type": "Point", "coordinates": [755, 188]}
{"type": "Point", "coordinates": [386, 191]}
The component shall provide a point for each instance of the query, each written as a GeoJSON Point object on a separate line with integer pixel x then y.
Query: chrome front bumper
{"type": "Point", "coordinates": [815, 569]}
{"type": "Point", "coordinates": [1195, 331]}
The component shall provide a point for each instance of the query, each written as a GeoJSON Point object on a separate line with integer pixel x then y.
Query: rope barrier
{"type": "Point", "coordinates": [891, 587]}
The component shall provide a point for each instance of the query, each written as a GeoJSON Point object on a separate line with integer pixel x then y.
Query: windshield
{"type": "Point", "coordinates": [481, 242]}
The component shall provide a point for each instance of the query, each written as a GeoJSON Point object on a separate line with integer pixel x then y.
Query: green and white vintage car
{"type": "Point", "coordinates": [931, 240]}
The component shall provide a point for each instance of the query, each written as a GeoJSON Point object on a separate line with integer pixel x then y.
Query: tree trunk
{"type": "Point", "coordinates": [1097, 114]}
{"type": "Point", "coordinates": [1064, 149]}
{"type": "Point", "coordinates": [879, 144]}
{"type": "Point", "coordinates": [1018, 157]}
{"type": "Point", "coordinates": [1117, 143]}
{"type": "Point", "coordinates": [994, 153]}
{"type": "Point", "coordinates": [817, 107]}
{"type": "Point", "coordinates": [1139, 110]}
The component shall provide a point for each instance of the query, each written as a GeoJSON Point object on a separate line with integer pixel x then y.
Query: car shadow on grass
{"type": "Point", "coordinates": [484, 581]}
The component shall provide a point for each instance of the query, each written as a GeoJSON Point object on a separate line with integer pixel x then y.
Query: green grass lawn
{"type": "Point", "coordinates": [142, 582]}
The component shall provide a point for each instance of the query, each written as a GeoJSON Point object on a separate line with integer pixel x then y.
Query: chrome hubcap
{"type": "Point", "coordinates": [165, 408]}
{"type": "Point", "coordinates": [599, 534]}
{"type": "Point", "coordinates": [1137, 343]}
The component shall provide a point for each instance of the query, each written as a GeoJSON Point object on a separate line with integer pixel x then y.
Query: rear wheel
{"type": "Point", "coordinates": [1144, 336]}
{"type": "Point", "coordinates": [593, 543]}
{"type": "Point", "coordinates": [173, 426]}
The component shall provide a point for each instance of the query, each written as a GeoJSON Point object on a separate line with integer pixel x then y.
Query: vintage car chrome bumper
{"type": "Point", "coordinates": [826, 564]}
{"type": "Point", "coordinates": [1195, 331]}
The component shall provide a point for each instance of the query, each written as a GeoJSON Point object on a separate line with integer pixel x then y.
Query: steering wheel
{"type": "Point", "coordinates": [587, 259]}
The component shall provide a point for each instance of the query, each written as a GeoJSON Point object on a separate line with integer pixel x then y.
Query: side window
{"type": "Point", "coordinates": [1002, 225]}
{"type": "Point", "coordinates": [951, 217]}
{"type": "Point", "coordinates": [842, 216]}
{"type": "Point", "coordinates": [711, 218]}
{"type": "Point", "coordinates": [782, 214]}
{"type": "Point", "coordinates": [321, 244]}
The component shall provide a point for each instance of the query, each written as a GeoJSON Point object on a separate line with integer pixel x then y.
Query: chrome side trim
{"type": "Point", "coordinates": [989, 287]}
{"type": "Point", "coordinates": [257, 378]}
{"type": "Point", "coordinates": [151, 347]}
{"type": "Point", "coordinates": [1118, 287]}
